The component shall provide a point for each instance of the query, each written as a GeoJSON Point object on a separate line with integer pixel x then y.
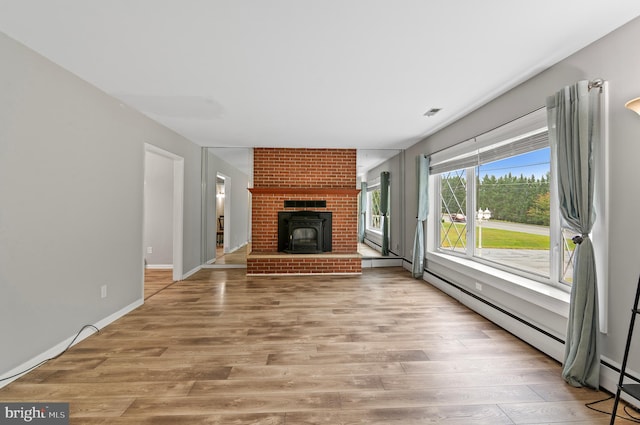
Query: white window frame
{"type": "Point", "coordinates": [370, 189]}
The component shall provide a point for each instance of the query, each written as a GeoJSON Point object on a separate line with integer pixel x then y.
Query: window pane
{"type": "Point", "coordinates": [375, 221]}
{"type": "Point", "coordinates": [568, 249]}
{"type": "Point", "coordinates": [453, 207]}
{"type": "Point", "coordinates": [513, 227]}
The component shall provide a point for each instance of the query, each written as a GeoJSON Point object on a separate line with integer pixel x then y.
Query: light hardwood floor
{"type": "Point", "coordinates": [155, 280]}
{"type": "Point", "coordinates": [237, 257]}
{"type": "Point", "coordinates": [381, 348]}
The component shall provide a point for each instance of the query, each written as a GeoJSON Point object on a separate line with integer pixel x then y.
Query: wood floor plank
{"type": "Point", "coordinates": [250, 403]}
{"type": "Point", "coordinates": [471, 379]}
{"type": "Point", "coordinates": [445, 415]}
{"type": "Point", "coordinates": [288, 385]}
{"type": "Point", "coordinates": [155, 280]}
{"type": "Point", "coordinates": [381, 348]}
{"type": "Point", "coordinates": [77, 390]}
{"type": "Point", "coordinates": [481, 365]}
{"type": "Point", "coordinates": [333, 358]}
{"type": "Point", "coordinates": [547, 412]}
{"type": "Point", "coordinates": [439, 396]}
{"type": "Point", "coordinates": [345, 369]}
{"type": "Point", "coordinates": [178, 372]}
{"type": "Point", "coordinates": [208, 419]}
{"type": "Point", "coordinates": [262, 349]}
{"type": "Point", "coordinates": [555, 392]}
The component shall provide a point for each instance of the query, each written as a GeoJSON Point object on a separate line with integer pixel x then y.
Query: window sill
{"type": "Point", "coordinates": [529, 290]}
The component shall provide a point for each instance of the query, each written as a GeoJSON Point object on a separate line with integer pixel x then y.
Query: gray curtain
{"type": "Point", "coordinates": [422, 183]}
{"type": "Point", "coordinates": [363, 211]}
{"type": "Point", "coordinates": [574, 128]}
{"type": "Point", "coordinates": [384, 210]}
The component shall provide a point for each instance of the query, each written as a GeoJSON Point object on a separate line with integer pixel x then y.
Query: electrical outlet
{"type": "Point", "coordinates": [149, 250]}
{"type": "Point", "coordinates": [103, 291]}
{"type": "Point", "coordinates": [479, 286]}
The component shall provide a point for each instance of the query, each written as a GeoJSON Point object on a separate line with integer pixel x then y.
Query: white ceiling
{"type": "Point", "coordinates": [308, 73]}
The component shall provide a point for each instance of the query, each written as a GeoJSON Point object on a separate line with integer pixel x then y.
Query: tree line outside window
{"type": "Point", "coordinates": [375, 221]}
{"type": "Point", "coordinates": [512, 198]}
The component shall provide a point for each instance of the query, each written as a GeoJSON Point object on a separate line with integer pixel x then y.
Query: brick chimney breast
{"type": "Point", "coordinates": [281, 174]}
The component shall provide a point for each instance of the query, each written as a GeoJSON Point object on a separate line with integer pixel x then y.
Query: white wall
{"type": "Point", "coordinates": [611, 58]}
{"type": "Point", "coordinates": [71, 201]}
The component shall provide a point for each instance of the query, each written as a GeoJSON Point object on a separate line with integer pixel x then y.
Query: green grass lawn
{"type": "Point", "coordinates": [496, 238]}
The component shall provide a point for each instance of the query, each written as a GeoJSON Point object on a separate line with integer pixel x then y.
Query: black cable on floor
{"type": "Point", "coordinates": [630, 419]}
{"type": "Point", "coordinates": [628, 409]}
{"type": "Point", "coordinates": [52, 358]}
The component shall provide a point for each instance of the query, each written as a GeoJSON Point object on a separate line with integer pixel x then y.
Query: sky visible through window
{"type": "Point", "coordinates": [536, 163]}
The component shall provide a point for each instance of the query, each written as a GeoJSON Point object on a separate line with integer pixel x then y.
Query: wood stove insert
{"type": "Point", "coordinates": [304, 232]}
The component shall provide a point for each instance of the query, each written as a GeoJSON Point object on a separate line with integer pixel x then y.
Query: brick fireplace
{"type": "Point", "coordinates": [296, 179]}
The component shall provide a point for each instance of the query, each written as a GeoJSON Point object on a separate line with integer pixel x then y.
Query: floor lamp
{"type": "Point", "coordinates": [634, 105]}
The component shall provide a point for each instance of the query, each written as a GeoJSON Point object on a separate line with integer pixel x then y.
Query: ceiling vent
{"type": "Point", "coordinates": [431, 112]}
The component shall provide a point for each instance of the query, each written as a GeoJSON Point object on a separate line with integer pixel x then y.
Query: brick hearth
{"type": "Point", "coordinates": [304, 175]}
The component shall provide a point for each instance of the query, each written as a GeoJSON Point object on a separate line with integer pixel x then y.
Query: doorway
{"type": "Point", "coordinates": [225, 208]}
{"type": "Point", "coordinates": [223, 217]}
{"type": "Point", "coordinates": [163, 208]}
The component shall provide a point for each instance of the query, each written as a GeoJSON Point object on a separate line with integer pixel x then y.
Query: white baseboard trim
{"type": "Point", "coordinates": [381, 262]}
{"type": "Point", "coordinates": [159, 266]}
{"type": "Point", "coordinates": [118, 314]}
{"type": "Point", "coordinates": [609, 378]}
{"type": "Point", "coordinates": [407, 265]}
{"type": "Point", "coordinates": [235, 248]}
{"type": "Point", "coordinates": [545, 343]}
{"type": "Point", "coordinates": [306, 274]}
{"type": "Point", "coordinates": [224, 266]}
{"type": "Point", "coordinates": [609, 369]}
{"type": "Point", "coordinates": [191, 272]}
{"type": "Point", "coordinates": [61, 346]}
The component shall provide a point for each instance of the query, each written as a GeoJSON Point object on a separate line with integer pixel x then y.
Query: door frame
{"type": "Point", "coordinates": [178, 207]}
{"type": "Point", "coordinates": [226, 210]}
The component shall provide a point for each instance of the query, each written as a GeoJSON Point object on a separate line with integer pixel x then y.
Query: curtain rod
{"type": "Point", "coordinates": [488, 131]}
{"type": "Point", "coordinates": [598, 83]}
{"type": "Point", "coordinates": [595, 83]}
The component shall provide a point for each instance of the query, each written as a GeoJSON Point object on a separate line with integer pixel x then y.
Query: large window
{"type": "Point", "coordinates": [496, 203]}
{"type": "Point", "coordinates": [494, 213]}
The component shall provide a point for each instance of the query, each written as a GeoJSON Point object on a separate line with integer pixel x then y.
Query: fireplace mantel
{"type": "Point", "coordinates": [302, 190]}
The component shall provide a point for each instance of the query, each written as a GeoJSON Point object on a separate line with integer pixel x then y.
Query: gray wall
{"type": "Point", "coordinates": [611, 58]}
{"type": "Point", "coordinates": [158, 210]}
{"type": "Point", "coordinates": [71, 200]}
